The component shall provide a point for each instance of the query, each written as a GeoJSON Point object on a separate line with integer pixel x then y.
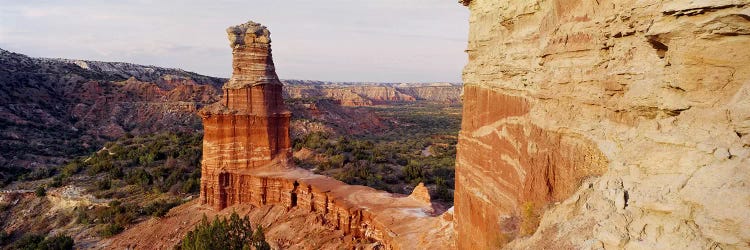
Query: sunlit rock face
{"type": "Point", "coordinates": [615, 124]}
{"type": "Point", "coordinates": [506, 165]}
{"type": "Point", "coordinates": [249, 127]}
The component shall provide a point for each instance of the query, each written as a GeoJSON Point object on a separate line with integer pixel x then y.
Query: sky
{"type": "Point", "coordinates": [330, 40]}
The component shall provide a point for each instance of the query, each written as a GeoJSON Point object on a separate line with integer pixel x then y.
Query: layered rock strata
{"type": "Point", "coordinates": [396, 221]}
{"type": "Point", "coordinates": [605, 124]}
{"type": "Point", "coordinates": [249, 127]}
{"type": "Point", "coordinates": [328, 215]}
{"type": "Point", "coordinates": [367, 94]}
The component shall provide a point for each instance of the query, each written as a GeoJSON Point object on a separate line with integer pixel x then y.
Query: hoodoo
{"type": "Point", "coordinates": [249, 127]}
{"type": "Point", "coordinates": [246, 148]}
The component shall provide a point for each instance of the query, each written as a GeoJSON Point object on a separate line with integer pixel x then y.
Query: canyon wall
{"type": "Point", "coordinates": [614, 124]}
{"type": "Point", "coordinates": [367, 94]}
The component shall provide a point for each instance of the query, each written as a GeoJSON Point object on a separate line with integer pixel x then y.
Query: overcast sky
{"type": "Point", "coordinates": [335, 40]}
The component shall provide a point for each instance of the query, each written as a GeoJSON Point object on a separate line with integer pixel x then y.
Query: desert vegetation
{"type": "Point", "coordinates": [140, 176]}
{"type": "Point", "coordinates": [39, 242]}
{"type": "Point", "coordinates": [233, 233]}
{"type": "Point", "coordinates": [418, 146]}
{"type": "Point", "coordinates": [125, 182]}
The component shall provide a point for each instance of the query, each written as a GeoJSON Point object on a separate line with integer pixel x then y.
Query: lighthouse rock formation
{"type": "Point", "coordinates": [605, 124]}
{"type": "Point", "coordinates": [246, 149]}
{"type": "Point", "coordinates": [249, 127]}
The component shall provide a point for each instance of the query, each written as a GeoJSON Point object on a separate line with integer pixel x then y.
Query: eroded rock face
{"type": "Point", "coordinates": [249, 127]}
{"type": "Point", "coordinates": [507, 165]}
{"type": "Point", "coordinates": [621, 124]}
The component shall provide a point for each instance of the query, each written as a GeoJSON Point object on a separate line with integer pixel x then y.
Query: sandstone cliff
{"type": "Point", "coordinates": [605, 124]}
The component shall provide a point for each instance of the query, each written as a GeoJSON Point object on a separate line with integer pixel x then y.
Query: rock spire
{"type": "Point", "coordinates": [249, 128]}
{"type": "Point", "coordinates": [252, 62]}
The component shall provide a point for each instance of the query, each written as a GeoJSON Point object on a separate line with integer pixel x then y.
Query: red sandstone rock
{"type": "Point", "coordinates": [506, 165]}
{"type": "Point", "coordinates": [249, 127]}
{"type": "Point", "coordinates": [420, 193]}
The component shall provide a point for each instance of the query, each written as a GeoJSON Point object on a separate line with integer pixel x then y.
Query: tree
{"type": "Point", "coordinates": [337, 161]}
{"type": "Point", "coordinates": [234, 233]}
{"type": "Point", "coordinates": [259, 239]}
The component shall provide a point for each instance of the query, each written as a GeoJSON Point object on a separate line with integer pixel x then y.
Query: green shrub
{"type": "Point", "coordinates": [111, 229]}
{"type": "Point", "coordinates": [138, 177]}
{"type": "Point", "coordinates": [40, 191]}
{"type": "Point", "coordinates": [442, 192]}
{"type": "Point", "coordinates": [234, 233]}
{"type": "Point", "coordinates": [259, 239]}
{"type": "Point", "coordinates": [37, 174]}
{"type": "Point", "coordinates": [59, 242]}
{"type": "Point", "coordinates": [104, 184]}
{"type": "Point", "coordinates": [337, 161]}
{"type": "Point", "coordinates": [72, 168]}
{"type": "Point", "coordinates": [124, 218]}
{"type": "Point", "coordinates": [38, 242]}
{"type": "Point", "coordinates": [29, 241]}
{"type": "Point", "coordinates": [116, 173]}
{"type": "Point", "coordinates": [101, 162]}
{"type": "Point", "coordinates": [412, 171]}
{"type": "Point", "coordinates": [4, 238]}
{"type": "Point", "coordinates": [57, 181]}
{"type": "Point", "coordinates": [192, 185]}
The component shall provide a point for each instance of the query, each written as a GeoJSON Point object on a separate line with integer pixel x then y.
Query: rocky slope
{"type": "Point", "coordinates": [605, 124]}
{"type": "Point", "coordinates": [327, 115]}
{"type": "Point", "coordinates": [52, 109]}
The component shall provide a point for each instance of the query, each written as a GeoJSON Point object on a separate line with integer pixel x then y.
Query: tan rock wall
{"type": "Point", "coordinates": [650, 96]}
